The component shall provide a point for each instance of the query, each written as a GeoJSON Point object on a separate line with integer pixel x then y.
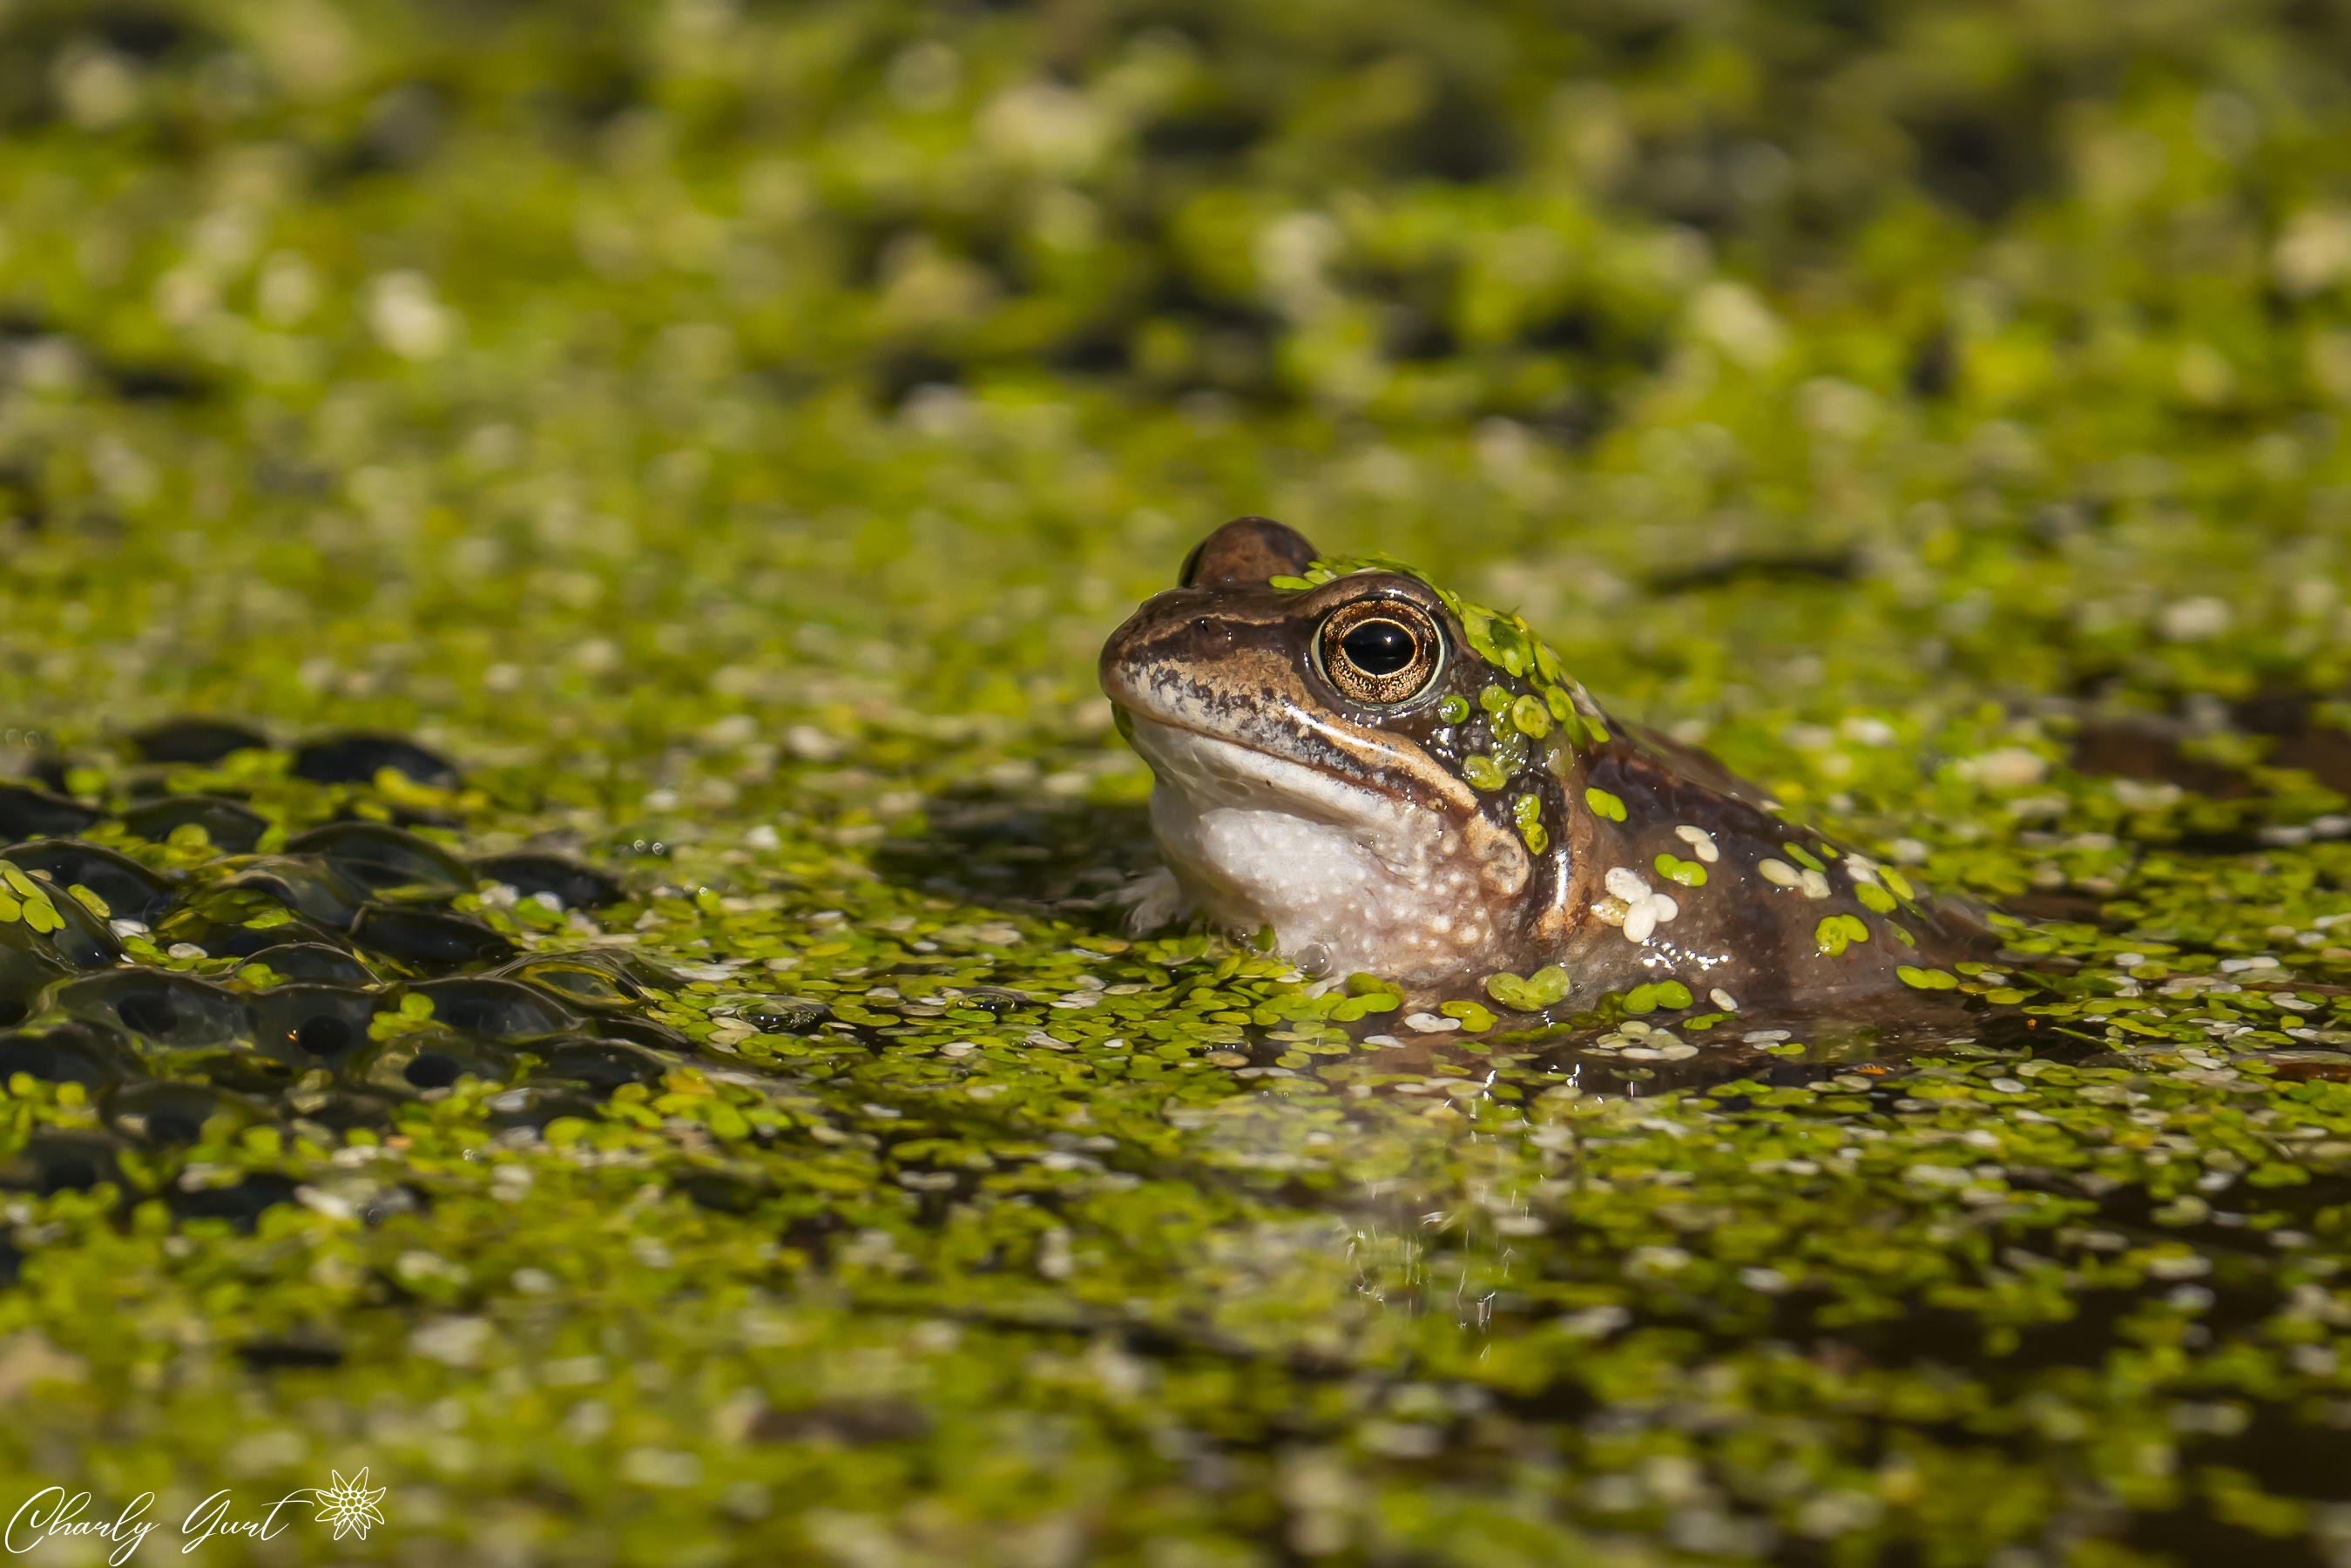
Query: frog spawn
{"type": "Point", "coordinates": [359, 985]}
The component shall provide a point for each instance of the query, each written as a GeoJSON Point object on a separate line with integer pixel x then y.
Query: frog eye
{"type": "Point", "coordinates": [1380, 651]}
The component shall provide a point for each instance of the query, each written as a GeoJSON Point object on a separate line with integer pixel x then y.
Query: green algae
{"type": "Point", "coordinates": [728, 433]}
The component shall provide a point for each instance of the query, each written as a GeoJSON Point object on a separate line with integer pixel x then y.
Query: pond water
{"type": "Point", "coordinates": [831, 1193]}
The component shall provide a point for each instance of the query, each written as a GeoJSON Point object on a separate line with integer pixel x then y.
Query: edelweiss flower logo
{"type": "Point", "coordinates": [348, 1506]}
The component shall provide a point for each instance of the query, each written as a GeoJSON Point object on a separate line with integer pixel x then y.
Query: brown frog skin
{"type": "Point", "coordinates": [1341, 764]}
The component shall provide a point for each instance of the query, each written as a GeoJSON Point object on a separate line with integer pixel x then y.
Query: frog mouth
{"type": "Point", "coordinates": [1336, 767]}
{"type": "Point", "coordinates": [1212, 771]}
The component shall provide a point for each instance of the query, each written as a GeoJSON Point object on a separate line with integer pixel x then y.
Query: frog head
{"type": "Point", "coordinates": [1352, 756]}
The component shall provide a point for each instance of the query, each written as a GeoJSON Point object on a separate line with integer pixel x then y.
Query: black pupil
{"type": "Point", "coordinates": [1379, 647]}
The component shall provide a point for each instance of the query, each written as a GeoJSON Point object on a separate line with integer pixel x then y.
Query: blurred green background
{"type": "Point", "coordinates": [416, 364]}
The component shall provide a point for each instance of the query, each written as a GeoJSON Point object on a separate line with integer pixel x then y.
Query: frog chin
{"type": "Point", "coordinates": [1348, 876]}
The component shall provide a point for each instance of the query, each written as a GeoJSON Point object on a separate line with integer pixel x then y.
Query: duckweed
{"type": "Point", "coordinates": [1672, 868]}
{"type": "Point", "coordinates": [1659, 994]}
{"type": "Point", "coordinates": [1837, 931]}
{"type": "Point", "coordinates": [1527, 811]}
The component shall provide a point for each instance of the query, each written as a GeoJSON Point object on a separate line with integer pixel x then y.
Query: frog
{"type": "Point", "coordinates": [1374, 776]}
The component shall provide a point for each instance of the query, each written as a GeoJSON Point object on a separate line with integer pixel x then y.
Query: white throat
{"type": "Point", "coordinates": [1348, 877]}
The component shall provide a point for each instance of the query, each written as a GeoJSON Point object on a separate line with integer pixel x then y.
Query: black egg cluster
{"type": "Point", "coordinates": [343, 928]}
